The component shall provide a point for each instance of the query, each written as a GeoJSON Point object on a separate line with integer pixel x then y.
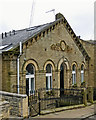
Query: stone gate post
{"type": "Point", "coordinates": [84, 96]}
{"type": "Point", "coordinates": [90, 94]}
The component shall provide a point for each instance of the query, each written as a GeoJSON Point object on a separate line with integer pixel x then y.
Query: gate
{"type": "Point", "coordinates": [33, 104]}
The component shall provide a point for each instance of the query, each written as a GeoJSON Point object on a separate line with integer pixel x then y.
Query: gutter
{"type": "Point", "coordinates": [18, 59]}
{"type": "Point", "coordinates": [5, 48]}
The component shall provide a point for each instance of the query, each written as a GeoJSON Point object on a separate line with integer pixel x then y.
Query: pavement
{"type": "Point", "coordinates": [93, 117]}
{"type": "Point", "coordinates": [82, 113]}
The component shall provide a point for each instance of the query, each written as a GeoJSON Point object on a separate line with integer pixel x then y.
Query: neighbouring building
{"type": "Point", "coordinates": [46, 56]}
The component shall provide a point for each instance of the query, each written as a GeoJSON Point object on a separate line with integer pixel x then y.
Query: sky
{"type": "Point", "coordinates": [20, 14]}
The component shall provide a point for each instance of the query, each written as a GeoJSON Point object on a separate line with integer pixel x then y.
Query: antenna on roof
{"type": "Point", "coordinates": [32, 13]}
{"type": "Point", "coordinates": [53, 10]}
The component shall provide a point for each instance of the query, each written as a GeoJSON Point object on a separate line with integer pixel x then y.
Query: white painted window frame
{"type": "Point", "coordinates": [29, 77]}
{"type": "Point", "coordinates": [49, 80]}
{"type": "Point", "coordinates": [82, 74]}
{"type": "Point", "coordinates": [73, 77]}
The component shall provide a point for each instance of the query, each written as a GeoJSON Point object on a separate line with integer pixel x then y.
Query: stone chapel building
{"type": "Point", "coordinates": [46, 56]}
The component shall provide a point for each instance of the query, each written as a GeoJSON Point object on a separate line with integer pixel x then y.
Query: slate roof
{"type": "Point", "coordinates": [92, 42]}
{"type": "Point", "coordinates": [11, 40]}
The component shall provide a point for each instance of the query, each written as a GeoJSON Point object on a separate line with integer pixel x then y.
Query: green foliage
{"type": "Point", "coordinates": [83, 84]}
{"type": "Point", "coordinates": [49, 93]}
{"type": "Point", "coordinates": [75, 85]}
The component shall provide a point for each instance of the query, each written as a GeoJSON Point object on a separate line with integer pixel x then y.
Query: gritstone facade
{"type": "Point", "coordinates": [52, 56]}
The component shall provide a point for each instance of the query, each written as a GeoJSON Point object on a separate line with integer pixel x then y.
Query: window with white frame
{"type": "Point", "coordinates": [82, 73]}
{"type": "Point", "coordinates": [48, 77]}
{"type": "Point", "coordinates": [30, 79]}
{"type": "Point", "coordinates": [74, 74]}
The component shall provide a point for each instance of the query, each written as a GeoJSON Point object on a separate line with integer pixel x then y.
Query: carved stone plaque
{"type": "Point", "coordinates": [59, 46]}
{"type": "Point", "coordinates": [63, 45]}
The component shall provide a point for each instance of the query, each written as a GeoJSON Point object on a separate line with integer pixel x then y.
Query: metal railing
{"type": "Point", "coordinates": [43, 99]}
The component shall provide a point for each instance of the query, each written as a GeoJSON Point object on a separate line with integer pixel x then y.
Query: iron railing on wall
{"type": "Point", "coordinates": [43, 99]}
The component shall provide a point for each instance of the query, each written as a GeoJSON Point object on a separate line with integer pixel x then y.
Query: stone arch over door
{"type": "Point", "coordinates": [63, 64]}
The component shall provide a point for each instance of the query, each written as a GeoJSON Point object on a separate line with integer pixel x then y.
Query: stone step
{"type": "Point", "coordinates": [15, 117]}
{"type": "Point", "coordinates": [88, 103]}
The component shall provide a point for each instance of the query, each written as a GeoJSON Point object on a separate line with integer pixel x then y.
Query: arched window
{"type": "Point", "coordinates": [30, 69]}
{"type": "Point", "coordinates": [82, 73]}
{"type": "Point", "coordinates": [74, 74]}
{"type": "Point", "coordinates": [48, 77]}
{"type": "Point", "coordinates": [30, 79]}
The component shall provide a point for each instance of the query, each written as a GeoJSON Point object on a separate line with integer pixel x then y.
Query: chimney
{"type": "Point", "coordinates": [58, 16]}
{"type": "Point", "coordinates": [10, 33]}
{"type": "Point", "coordinates": [2, 35]}
{"type": "Point", "coordinates": [14, 32]}
{"type": "Point", "coordinates": [5, 34]}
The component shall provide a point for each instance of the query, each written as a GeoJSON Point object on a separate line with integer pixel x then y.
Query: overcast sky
{"type": "Point", "coordinates": [16, 14]}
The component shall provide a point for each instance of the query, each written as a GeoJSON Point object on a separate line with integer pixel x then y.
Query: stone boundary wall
{"type": "Point", "coordinates": [18, 103]}
{"type": "Point", "coordinates": [4, 109]}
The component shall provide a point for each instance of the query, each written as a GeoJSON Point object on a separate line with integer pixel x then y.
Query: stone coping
{"type": "Point", "coordinates": [64, 108]}
{"type": "Point", "coordinates": [13, 94]}
{"type": "Point", "coordinates": [94, 101]}
{"type": "Point", "coordinates": [4, 103]}
{"type": "Point", "coordinates": [61, 109]}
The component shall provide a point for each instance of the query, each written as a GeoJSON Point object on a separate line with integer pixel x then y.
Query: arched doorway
{"type": "Point", "coordinates": [61, 79]}
{"type": "Point", "coordinates": [30, 79]}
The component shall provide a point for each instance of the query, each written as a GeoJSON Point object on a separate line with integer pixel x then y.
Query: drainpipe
{"type": "Point", "coordinates": [18, 77]}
